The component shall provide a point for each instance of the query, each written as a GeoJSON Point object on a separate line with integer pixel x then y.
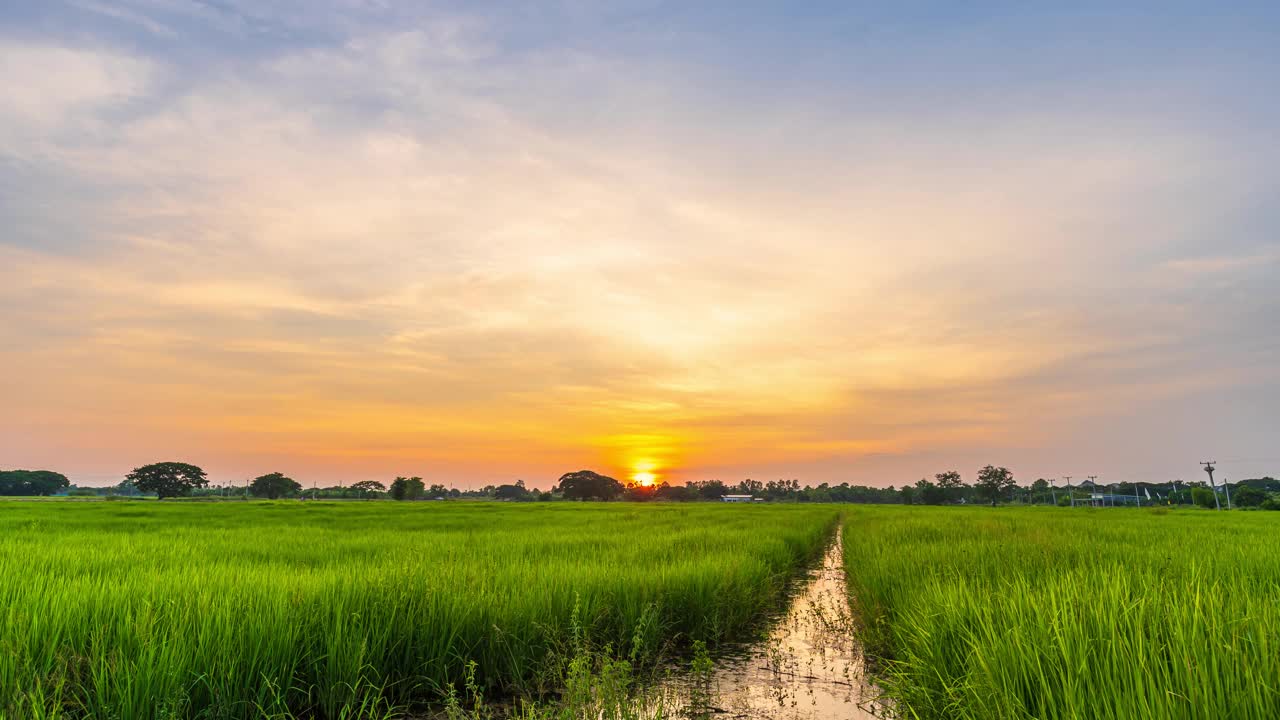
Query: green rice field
{"type": "Point", "coordinates": [140, 610]}
{"type": "Point", "coordinates": [1070, 613]}
{"type": "Point", "coordinates": [373, 610]}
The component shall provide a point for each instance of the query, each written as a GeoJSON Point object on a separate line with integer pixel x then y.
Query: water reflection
{"type": "Point", "coordinates": [809, 667]}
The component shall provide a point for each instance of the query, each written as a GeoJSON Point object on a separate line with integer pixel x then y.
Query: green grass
{"type": "Point", "coordinates": [131, 611]}
{"type": "Point", "coordinates": [1058, 613]}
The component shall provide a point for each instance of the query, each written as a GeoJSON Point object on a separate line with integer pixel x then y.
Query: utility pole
{"type": "Point", "coordinates": [1175, 490]}
{"type": "Point", "coordinates": [1208, 467]}
{"type": "Point", "coordinates": [1053, 493]}
{"type": "Point", "coordinates": [1135, 493]}
{"type": "Point", "coordinates": [1226, 487]}
{"type": "Point", "coordinates": [1093, 480]}
{"type": "Point", "coordinates": [1070, 494]}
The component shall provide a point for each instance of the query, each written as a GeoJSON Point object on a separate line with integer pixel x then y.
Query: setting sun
{"type": "Point", "coordinates": [644, 478]}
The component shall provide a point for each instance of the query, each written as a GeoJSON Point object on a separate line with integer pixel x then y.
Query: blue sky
{"type": "Point", "coordinates": [847, 241]}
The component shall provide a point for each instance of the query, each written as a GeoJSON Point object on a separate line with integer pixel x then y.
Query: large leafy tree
{"type": "Point", "coordinates": [588, 485]}
{"type": "Point", "coordinates": [929, 493]}
{"type": "Point", "coordinates": [368, 488]}
{"type": "Point", "coordinates": [707, 489]}
{"type": "Point", "coordinates": [168, 479]}
{"type": "Point", "coordinates": [1248, 496]}
{"type": "Point", "coordinates": [403, 488]}
{"type": "Point", "coordinates": [994, 483]}
{"type": "Point", "coordinates": [274, 486]}
{"type": "Point", "coordinates": [511, 492]}
{"type": "Point", "coordinates": [950, 485]}
{"type": "Point", "coordinates": [32, 482]}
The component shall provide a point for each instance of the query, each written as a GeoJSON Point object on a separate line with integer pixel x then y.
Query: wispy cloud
{"type": "Point", "coordinates": [386, 238]}
{"type": "Point", "coordinates": [50, 87]}
{"type": "Point", "coordinates": [122, 13]}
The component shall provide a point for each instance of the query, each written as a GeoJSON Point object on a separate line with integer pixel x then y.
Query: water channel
{"type": "Point", "coordinates": [809, 667]}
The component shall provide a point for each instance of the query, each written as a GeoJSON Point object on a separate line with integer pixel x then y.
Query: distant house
{"type": "Point", "coordinates": [737, 498]}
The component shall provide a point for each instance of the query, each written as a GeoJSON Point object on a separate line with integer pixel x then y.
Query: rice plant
{"type": "Point", "coordinates": [146, 610]}
{"type": "Point", "coordinates": [1060, 613]}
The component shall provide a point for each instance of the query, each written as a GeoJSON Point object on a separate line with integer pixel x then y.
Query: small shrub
{"type": "Point", "coordinates": [1204, 497]}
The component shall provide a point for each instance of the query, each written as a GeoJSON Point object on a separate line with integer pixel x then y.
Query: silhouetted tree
{"type": "Point", "coordinates": [368, 488]}
{"type": "Point", "coordinates": [588, 485]}
{"type": "Point", "coordinates": [274, 486]}
{"type": "Point", "coordinates": [168, 479]}
{"type": "Point", "coordinates": [994, 483]}
{"type": "Point", "coordinates": [929, 493]}
{"type": "Point", "coordinates": [511, 492]}
{"type": "Point", "coordinates": [635, 492]}
{"type": "Point", "coordinates": [403, 488]}
{"type": "Point", "coordinates": [667, 491]}
{"type": "Point", "coordinates": [949, 485]}
{"type": "Point", "coordinates": [781, 489]}
{"type": "Point", "coordinates": [709, 489]}
{"type": "Point", "coordinates": [32, 482]}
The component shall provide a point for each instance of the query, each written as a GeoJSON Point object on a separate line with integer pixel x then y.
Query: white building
{"type": "Point", "coordinates": [737, 498]}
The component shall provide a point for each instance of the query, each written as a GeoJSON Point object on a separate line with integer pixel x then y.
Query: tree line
{"type": "Point", "coordinates": [992, 485]}
{"type": "Point", "coordinates": [31, 483]}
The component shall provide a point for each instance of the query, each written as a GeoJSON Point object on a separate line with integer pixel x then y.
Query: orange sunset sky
{"type": "Point", "coordinates": [480, 242]}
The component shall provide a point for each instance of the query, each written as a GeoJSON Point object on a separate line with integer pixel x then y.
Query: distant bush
{"type": "Point", "coordinates": [1247, 496]}
{"type": "Point", "coordinates": [1202, 497]}
{"type": "Point", "coordinates": [1270, 503]}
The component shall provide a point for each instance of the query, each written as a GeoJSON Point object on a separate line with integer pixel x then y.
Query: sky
{"type": "Point", "coordinates": [477, 241]}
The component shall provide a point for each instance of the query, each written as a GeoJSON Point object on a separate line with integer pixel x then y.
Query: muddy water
{"type": "Point", "coordinates": [808, 668]}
